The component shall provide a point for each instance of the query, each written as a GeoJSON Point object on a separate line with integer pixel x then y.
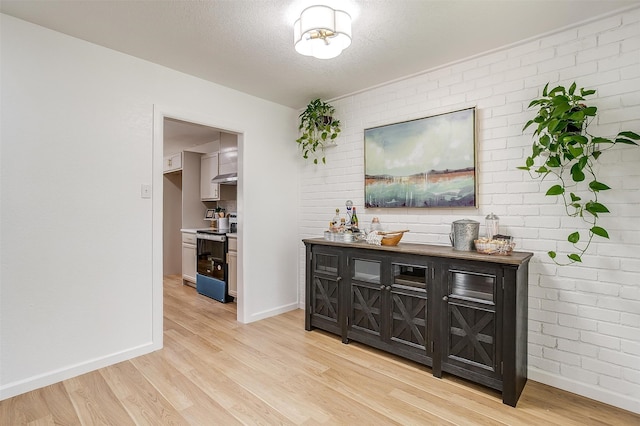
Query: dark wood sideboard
{"type": "Point", "coordinates": [462, 313]}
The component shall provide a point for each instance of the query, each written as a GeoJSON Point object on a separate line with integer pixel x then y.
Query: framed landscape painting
{"type": "Point", "coordinates": [429, 162]}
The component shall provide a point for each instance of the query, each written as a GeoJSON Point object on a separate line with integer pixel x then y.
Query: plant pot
{"type": "Point", "coordinates": [572, 128]}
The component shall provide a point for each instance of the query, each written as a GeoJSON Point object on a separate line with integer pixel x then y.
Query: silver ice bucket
{"type": "Point", "coordinates": [463, 232]}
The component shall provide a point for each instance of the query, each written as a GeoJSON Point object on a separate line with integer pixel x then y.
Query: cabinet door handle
{"type": "Point", "coordinates": [388, 288]}
{"type": "Point", "coordinates": [338, 279]}
{"type": "Point", "coordinates": [381, 287]}
{"type": "Point", "coordinates": [445, 298]}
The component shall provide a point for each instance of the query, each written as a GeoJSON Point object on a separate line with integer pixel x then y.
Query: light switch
{"type": "Point", "coordinates": [145, 191]}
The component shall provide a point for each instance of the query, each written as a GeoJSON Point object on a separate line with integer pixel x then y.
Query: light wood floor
{"type": "Point", "coordinates": [215, 371]}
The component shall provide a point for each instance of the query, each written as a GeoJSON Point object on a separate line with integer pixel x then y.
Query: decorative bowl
{"type": "Point", "coordinates": [391, 239]}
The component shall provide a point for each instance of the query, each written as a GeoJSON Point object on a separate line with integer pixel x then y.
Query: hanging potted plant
{"type": "Point", "coordinates": [318, 128]}
{"type": "Point", "coordinates": [569, 152]}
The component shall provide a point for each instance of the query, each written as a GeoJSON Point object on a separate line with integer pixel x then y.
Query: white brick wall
{"type": "Point", "coordinates": [584, 321]}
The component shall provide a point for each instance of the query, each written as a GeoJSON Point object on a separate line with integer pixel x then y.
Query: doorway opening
{"type": "Point", "coordinates": [190, 152]}
{"type": "Point", "coordinates": [181, 143]}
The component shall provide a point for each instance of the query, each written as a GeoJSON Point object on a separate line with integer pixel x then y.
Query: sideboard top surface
{"type": "Point", "coordinates": [515, 258]}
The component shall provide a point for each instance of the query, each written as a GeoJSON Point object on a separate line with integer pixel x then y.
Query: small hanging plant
{"type": "Point", "coordinates": [569, 153]}
{"type": "Point", "coordinates": [318, 127]}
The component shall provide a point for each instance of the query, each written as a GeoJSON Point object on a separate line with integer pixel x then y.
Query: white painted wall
{"type": "Point", "coordinates": [81, 251]}
{"type": "Point", "coordinates": [584, 321]}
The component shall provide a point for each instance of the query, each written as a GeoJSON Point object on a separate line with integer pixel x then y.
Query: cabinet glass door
{"type": "Point", "coordinates": [409, 305]}
{"type": "Point", "coordinates": [472, 322]}
{"type": "Point", "coordinates": [325, 294]}
{"type": "Point", "coordinates": [366, 302]}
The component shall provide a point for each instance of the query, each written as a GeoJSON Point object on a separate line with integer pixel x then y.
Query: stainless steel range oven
{"type": "Point", "coordinates": [212, 271]}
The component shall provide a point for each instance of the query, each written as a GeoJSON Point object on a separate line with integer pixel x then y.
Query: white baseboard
{"type": "Point", "coordinates": [272, 312]}
{"type": "Point", "coordinates": [36, 382]}
{"type": "Point", "coordinates": [621, 401]}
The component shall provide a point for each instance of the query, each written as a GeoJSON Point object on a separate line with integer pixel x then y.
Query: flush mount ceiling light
{"type": "Point", "coordinates": [322, 32]}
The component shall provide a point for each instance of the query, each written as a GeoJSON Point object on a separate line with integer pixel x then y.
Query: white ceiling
{"type": "Point", "coordinates": [248, 44]}
{"type": "Point", "coordinates": [178, 135]}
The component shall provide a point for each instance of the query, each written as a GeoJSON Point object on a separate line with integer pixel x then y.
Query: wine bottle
{"type": "Point", "coordinates": [354, 219]}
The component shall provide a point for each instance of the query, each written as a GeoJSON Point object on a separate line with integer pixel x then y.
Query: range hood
{"type": "Point", "coordinates": [227, 178]}
{"type": "Point", "coordinates": [227, 167]}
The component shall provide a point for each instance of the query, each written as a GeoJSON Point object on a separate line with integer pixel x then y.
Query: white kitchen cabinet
{"type": "Point", "coordinates": [232, 264]}
{"type": "Point", "coordinates": [189, 258]}
{"type": "Point", "coordinates": [172, 163]}
{"type": "Point", "coordinates": [208, 170]}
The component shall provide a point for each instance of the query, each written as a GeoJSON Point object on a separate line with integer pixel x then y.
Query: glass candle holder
{"type": "Point", "coordinates": [492, 225]}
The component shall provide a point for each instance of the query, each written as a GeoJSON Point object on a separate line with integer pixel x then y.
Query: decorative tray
{"type": "Point", "coordinates": [495, 247]}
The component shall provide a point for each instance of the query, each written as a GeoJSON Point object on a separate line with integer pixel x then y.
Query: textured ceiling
{"type": "Point", "coordinates": [179, 135]}
{"type": "Point", "coordinates": [248, 44]}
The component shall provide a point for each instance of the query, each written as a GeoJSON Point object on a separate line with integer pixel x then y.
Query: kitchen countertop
{"type": "Point", "coordinates": [191, 230]}
{"type": "Point", "coordinates": [194, 230]}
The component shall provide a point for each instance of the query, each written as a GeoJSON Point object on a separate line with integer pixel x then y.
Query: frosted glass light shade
{"type": "Point", "coordinates": [322, 32]}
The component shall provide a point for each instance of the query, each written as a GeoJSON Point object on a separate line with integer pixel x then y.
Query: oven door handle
{"type": "Point", "coordinates": [211, 237]}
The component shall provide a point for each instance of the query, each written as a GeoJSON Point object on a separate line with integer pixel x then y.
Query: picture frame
{"type": "Point", "coordinates": [428, 162]}
{"type": "Point", "coordinates": [210, 214]}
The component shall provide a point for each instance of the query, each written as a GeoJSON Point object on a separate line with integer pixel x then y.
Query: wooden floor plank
{"type": "Point", "coordinates": [16, 410]}
{"type": "Point", "coordinates": [59, 405]}
{"type": "Point", "coordinates": [95, 402]}
{"type": "Point", "coordinates": [140, 398]}
{"type": "Point", "coordinates": [163, 376]}
{"type": "Point", "coordinates": [214, 370]}
{"type": "Point", "coordinates": [241, 404]}
{"type": "Point", "coordinates": [45, 421]}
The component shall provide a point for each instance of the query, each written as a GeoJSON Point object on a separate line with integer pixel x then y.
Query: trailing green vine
{"type": "Point", "coordinates": [318, 127]}
{"type": "Point", "coordinates": [562, 138]}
